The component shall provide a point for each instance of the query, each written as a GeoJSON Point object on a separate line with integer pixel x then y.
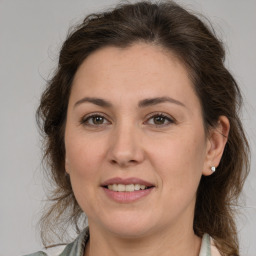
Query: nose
{"type": "Point", "coordinates": [126, 146]}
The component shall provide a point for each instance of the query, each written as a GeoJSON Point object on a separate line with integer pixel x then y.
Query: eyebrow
{"type": "Point", "coordinates": [143, 103]}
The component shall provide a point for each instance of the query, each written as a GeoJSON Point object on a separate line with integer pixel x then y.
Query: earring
{"type": "Point", "coordinates": [213, 168]}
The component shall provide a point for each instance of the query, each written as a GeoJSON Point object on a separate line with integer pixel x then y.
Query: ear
{"type": "Point", "coordinates": [216, 141]}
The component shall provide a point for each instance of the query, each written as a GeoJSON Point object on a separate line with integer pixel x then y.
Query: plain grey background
{"type": "Point", "coordinates": [31, 33]}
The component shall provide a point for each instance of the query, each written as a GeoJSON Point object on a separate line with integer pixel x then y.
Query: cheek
{"type": "Point", "coordinates": [180, 162]}
{"type": "Point", "coordinates": [82, 157]}
{"type": "Point", "coordinates": [82, 162]}
{"type": "Point", "coordinates": [179, 170]}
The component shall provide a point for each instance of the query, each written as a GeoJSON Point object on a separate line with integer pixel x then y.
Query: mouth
{"type": "Point", "coordinates": [127, 190]}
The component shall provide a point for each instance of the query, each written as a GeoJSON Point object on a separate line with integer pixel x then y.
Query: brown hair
{"type": "Point", "coordinates": [172, 27]}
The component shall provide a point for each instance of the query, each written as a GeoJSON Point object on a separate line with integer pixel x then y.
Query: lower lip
{"type": "Point", "coordinates": [127, 197]}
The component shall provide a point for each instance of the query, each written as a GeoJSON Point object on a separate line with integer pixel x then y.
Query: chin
{"type": "Point", "coordinates": [129, 225]}
{"type": "Point", "coordinates": [130, 231]}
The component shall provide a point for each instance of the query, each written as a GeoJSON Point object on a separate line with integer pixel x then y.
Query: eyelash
{"type": "Point", "coordinates": [84, 120]}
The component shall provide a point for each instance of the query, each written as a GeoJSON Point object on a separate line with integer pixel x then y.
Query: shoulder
{"type": "Point", "coordinates": [36, 254]}
{"type": "Point", "coordinates": [75, 248]}
{"type": "Point", "coordinates": [55, 251]}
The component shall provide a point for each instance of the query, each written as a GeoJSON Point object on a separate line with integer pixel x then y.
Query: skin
{"type": "Point", "coordinates": [128, 142]}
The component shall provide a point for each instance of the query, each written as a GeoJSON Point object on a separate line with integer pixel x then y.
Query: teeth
{"type": "Point", "coordinates": [136, 187]}
{"type": "Point", "coordinates": [121, 187]}
{"type": "Point", "coordinates": [127, 188]}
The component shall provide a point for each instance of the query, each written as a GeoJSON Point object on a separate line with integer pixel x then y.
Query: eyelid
{"type": "Point", "coordinates": [86, 117]}
{"type": "Point", "coordinates": [162, 114]}
{"type": "Point", "coordinates": [151, 115]}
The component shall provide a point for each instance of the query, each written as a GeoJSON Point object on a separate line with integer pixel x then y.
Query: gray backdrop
{"type": "Point", "coordinates": [31, 32]}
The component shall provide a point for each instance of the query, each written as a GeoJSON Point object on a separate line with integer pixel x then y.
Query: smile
{"type": "Point", "coordinates": [126, 188]}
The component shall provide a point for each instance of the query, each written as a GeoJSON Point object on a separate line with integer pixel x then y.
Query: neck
{"type": "Point", "coordinates": [164, 242]}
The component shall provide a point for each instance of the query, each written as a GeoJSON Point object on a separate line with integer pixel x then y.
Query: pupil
{"type": "Point", "coordinates": [159, 119]}
{"type": "Point", "coordinates": [98, 119]}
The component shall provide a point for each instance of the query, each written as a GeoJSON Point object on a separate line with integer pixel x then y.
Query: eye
{"type": "Point", "coordinates": [97, 120]}
{"type": "Point", "coordinates": [161, 119]}
{"type": "Point", "coordinates": [94, 120]}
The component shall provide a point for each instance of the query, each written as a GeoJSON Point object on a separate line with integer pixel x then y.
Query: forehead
{"type": "Point", "coordinates": [136, 71]}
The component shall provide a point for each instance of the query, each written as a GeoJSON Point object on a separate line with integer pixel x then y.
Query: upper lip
{"type": "Point", "coordinates": [126, 181]}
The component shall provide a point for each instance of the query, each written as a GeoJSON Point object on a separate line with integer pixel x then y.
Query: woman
{"type": "Point", "coordinates": [143, 136]}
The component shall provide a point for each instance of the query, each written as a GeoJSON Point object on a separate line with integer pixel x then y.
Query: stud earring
{"type": "Point", "coordinates": [213, 168]}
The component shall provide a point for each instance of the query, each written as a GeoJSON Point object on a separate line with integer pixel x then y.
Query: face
{"type": "Point", "coordinates": [134, 123]}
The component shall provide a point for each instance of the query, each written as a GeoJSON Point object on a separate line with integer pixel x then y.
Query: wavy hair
{"type": "Point", "coordinates": [195, 43]}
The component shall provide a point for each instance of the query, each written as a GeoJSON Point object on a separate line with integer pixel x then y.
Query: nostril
{"type": "Point", "coordinates": [123, 163]}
